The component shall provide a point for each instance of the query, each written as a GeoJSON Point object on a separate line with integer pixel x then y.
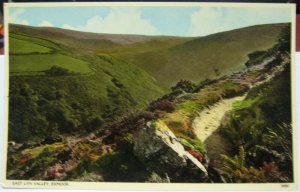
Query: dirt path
{"type": "Point", "coordinates": [209, 119]}
{"type": "Point", "coordinates": [206, 124]}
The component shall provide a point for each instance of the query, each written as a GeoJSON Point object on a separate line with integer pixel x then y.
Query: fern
{"type": "Point", "coordinates": [236, 163]}
{"type": "Point", "coordinates": [241, 158]}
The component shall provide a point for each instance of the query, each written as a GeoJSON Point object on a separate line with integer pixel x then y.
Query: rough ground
{"type": "Point", "coordinates": [206, 125]}
{"type": "Point", "coordinates": [208, 120]}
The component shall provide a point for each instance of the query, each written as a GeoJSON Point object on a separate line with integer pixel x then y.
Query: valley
{"type": "Point", "coordinates": [130, 108]}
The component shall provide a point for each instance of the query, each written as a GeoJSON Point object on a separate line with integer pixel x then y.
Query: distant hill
{"type": "Point", "coordinates": [204, 57]}
{"type": "Point", "coordinates": [168, 59]}
{"type": "Point", "coordinates": [80, 40]}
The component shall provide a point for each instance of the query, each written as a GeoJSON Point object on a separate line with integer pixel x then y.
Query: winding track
{"type": "Point", "coordinates": [208, 120]}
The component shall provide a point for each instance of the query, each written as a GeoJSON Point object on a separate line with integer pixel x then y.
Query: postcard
{"type": "Point", "coordinates": [148, 96]}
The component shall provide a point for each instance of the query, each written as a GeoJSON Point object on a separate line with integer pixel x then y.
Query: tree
{"type": "Point", "coordinates": [57, 71]}
{"type": "Point", "coordinates": [185, 85]}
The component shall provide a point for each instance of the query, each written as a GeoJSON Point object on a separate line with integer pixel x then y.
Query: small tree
{"type": "Point", "coordinates": [57, 71]}
{"type": "Point", "coordinates": [185, 85]}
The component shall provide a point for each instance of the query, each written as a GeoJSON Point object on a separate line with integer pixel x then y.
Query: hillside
{"type": "Point", "coordinates": [198, 133]}
{"type": "Point", "coordinates": [98, 77]}
{"type": "Point", "coordinates": [85, 42]}
{"type": "Point", "coordinates": [162, 56]}
{"type": "Point", "coordinates": [87, 91]}
{"type": "Point", "coordinates": [121, 111]}
{"type": "Point", "coordinates": [205, 57]}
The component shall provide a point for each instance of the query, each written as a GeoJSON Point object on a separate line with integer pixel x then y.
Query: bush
{"type": "Point", "coordinates": [57, 71]}
{"type": "Point", "coordinates": [184, 85]}
{"type": "Point", "coordinates": [164, 105]}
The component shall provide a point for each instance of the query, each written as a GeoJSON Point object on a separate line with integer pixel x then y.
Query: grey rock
{"type": "Point", "coordinates": [158, 147]}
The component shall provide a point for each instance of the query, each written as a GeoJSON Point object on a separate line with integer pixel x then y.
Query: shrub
{"type": "Point", "coordinates": [57, 71]}
{"type": "Point", "coordinates": [197, 155]}
{"type": "Point", "coordinates": [164, 105]}
{"type": "Point", "coordinates": [237, 169]}
{"type": "Point", "coordinates": [184, 85]}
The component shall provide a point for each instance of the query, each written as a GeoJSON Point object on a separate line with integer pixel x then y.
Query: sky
{"type": "Point", "coordinates": [148, 20]}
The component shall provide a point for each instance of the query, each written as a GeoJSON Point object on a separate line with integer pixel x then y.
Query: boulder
{"type": "Point", "coordinates": [161, 151]}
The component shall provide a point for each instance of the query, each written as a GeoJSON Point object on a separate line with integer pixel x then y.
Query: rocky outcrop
{"type": "Point", "coordinates": [162, 152]}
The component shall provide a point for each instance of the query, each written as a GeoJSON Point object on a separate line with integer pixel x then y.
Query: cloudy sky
{"type": "Point", "coordinates": [177, 21]}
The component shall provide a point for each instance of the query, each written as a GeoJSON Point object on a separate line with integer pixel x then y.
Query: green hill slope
{"type": "Point", "coordinates": [90, 79]}
{"type": "Point", "coordinates": [204, 57]}
{"type": "Point", "coordinates": [54, 90]}
{"type": "Point", "coordinates": [197, 58]}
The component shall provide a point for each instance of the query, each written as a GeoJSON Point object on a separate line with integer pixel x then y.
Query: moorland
{"type": "Point", "coordinates": [112, 107]}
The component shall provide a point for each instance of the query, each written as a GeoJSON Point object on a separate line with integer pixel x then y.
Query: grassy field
{"type": "Point", "coordinates": [41, 62]}
{"type": "Point", "coordinates": [33, 39]}
{"type": "Point", "coordinates": [23, 47]}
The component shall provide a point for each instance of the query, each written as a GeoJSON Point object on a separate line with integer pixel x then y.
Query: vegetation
{"type": "Point", "coordinates": [60, 92]}
{"type": "Point", "coordinates": [164, 57]}
{"type": "Point", "coordinates": [97, 93]}
{"type": "Point", "coordinates": [184, 85]}
{"type": "Point", "coordinates": [240, 173]}
{"type": "Point", "coordinates": [164, 64]}
{"type": "Point", "coordinates": [22, 47]}
{"type": "Point", "coordinates": [57, 71]}
{"type": "Point", "coordinates": [38, 63]}
{"type": "Point", "coordinates": [261, 124]}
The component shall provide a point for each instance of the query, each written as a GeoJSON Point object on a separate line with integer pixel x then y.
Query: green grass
{"type": "Point", "coordinates": [194, 144]}
{"type": "Point", "coordinates": [114, 87]}
{"type": "Point", "coordinates": [22, 47]}
{"type": "Point", "coordinates": [240, 105]}
{"type": "Point", "coordinates": [35, 152]}
{"type": "Point", "coordinates": [190, 106]}
{"type": "Point", "coordinates": [33, 39]}
{"type": "Point", "coordinates": [38, 63]}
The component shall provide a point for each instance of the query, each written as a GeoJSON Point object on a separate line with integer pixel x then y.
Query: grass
{"type": "Point", "coordinates": [23, 47]}
{"type": "Point", "coordinates": [197, 58]}
{"type": "Point", "coordinates": [180, 125]}
{"type": "Point", "coordinates": [190, 106]}
{"type": "Point", "coordinates": [114, 88]}
{"type": "Point", "coordinates": [35, 152]}
{"type": "Point", "coordinates": [202, 99]}
{"type": "Point", "coordinates": [38, 63]}
{"type": "Point", "coordinates": [240, 105]}
{"type": "Point", "coordinates": [158, 43]}
{"type": "Point", "coordinates": [194, 144]}
{"type": "Point", "coordinates": [33, 39]}
{"type": "Point", "coordinates": [135, 80]}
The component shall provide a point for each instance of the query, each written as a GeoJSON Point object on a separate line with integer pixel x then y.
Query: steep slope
{"type": "Point", "coordinates": [205, 57]}
{"type": "Point", "coordinates": [57, 91]}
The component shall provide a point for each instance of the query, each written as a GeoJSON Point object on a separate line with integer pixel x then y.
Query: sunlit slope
{"type": "Point", "coordinates": [205, 57]}
{"type": "Point", "coordinates": [91, 81]}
